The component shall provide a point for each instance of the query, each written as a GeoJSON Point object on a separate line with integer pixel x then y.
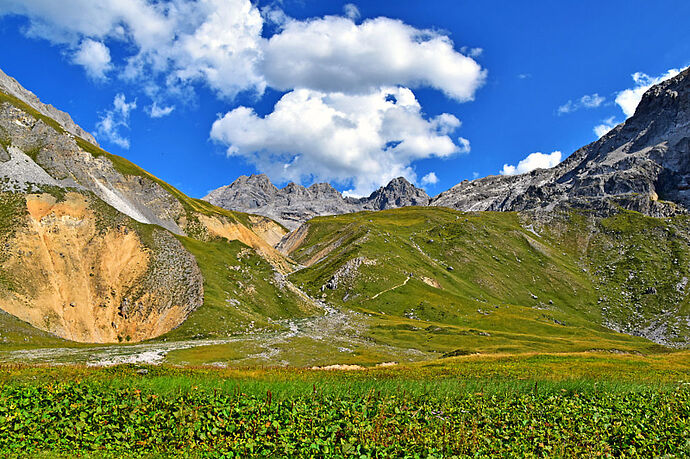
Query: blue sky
{"type": "Point", "coordinates": [348, 92]}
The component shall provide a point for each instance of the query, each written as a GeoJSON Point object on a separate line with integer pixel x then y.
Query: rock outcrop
{"type": "Point", "coordinates": [10, 86]}
{"type": "Point", "coordinates": [642, 164]}
{"type": "Point", "coordinates": [295, 204]}
{"type": "Point", "coordinates": [398, 193]}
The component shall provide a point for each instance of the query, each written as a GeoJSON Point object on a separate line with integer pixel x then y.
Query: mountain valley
{"type": "Point", "coordinates": [593, 254]}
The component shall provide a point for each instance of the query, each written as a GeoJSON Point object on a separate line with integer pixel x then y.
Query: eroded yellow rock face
{"type": "Point", "coordinates": [239, 232]}
{"type": "Point", "coordinates": [79, 282]}
{"type": "Point", "coordinates": [267, 229]}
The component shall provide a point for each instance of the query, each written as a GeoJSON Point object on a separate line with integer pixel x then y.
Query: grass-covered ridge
{"type": "Point", "coordinates": [242, 292]}
{"type": "Point", "coordinates": [7, 98]}
{"type": "Point", "coordinates": [124, 166]}
{"type": "Point", "coordinates": [457, 282]}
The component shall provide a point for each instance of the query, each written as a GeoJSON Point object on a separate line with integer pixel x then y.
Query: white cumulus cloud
{"type": "Point", "coordinates": [335, 54]}
{"type": "Point", "coordinates": [358, 140]}
{"type": "Point", "coordinates": [606, 125]}
{"type": "Point", "coordinates": [472, 52]}
{"type": "Point", "coordinates": [336, 71]}
{"type": "Point", "coordinates": [464, 145]}
{"type": "Point", "coordinates": [586, 101]}
{"type": "Point", "coordinates": [628, 99]}
{"type": "Point", "coordinates": [156, 111]}
{"type": "Point", "coordinates": [94, 56]}
{"type": "Point", "coordinates": [429, 179]}
{"type": "Point", "coordinates": [216, 42]}
{"type": "Point", "coordinates": [219, 43]}
{"type": "Point", "coordinates": [351, 11]}
{"type": "Point", "coordinates": [113, 121]}
{"type": "Point", "coordinates": [533, 161]}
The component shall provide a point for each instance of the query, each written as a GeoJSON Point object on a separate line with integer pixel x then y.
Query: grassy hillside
{"type": "Point", "coordinates": [640, 267]}
{"type": "Point", "coordinates": [242, 292]}
{"type": "Point", "coordinates": [459, 283]}
{"type": "Point", "coordinates": [418, 283]}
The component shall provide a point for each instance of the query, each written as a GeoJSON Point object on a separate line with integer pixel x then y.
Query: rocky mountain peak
{"type": "Point", "coordinates": [642, 164]}
{"type": "Point", "coordinates": [294, 204]}
{"type": "Point", "coordinates": [323, 189]}
{"type": "Point", "coordinates": [399, 182]}
{"type": "Point", "coordinates": [294, 188]}
{"type": "Point", "coordinates": [671, 95]}
{"type": "Point", "coordinates": [398, 193]}
{"type": "Point", "coordinates": [11, 87]}
{"type": "Point", "coordinates": [260, 181]}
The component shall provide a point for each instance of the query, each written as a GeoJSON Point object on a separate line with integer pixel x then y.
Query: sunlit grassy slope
{"type": "Point", "coordinates": [453, 282]}
{"type": "Point", "coordinates": [242, 292]}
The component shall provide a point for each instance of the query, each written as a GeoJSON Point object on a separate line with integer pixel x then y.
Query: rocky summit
{"type": "Point", "coordinates": [10, 86]}
{"type": "Point", "coordinates": [295, 204]}
{"type": "Point", "coordinates": [642, 164]}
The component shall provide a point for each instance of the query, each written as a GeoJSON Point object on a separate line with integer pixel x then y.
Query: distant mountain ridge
{"type": "Point", "coordinates": [294, 204]}
{"type": "Point", "coordinates": [642, 164]}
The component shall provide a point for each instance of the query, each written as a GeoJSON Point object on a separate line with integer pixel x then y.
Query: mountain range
{"type": "Point", "coordinates": [641, 164]}
{"type": "Point", "coordinates": [591, 254]}
{"type": "Point", "coordinates": [295, 204]}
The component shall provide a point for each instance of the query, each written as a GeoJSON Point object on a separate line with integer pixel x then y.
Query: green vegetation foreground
{"type": "Point", "coordinates": [584, 404]}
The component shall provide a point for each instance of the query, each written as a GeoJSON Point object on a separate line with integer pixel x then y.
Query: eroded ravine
{"type": "Point", "coordinates": [84, 279]}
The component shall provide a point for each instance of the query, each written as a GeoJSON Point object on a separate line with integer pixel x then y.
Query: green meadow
{"type": "Point", "coordinates": [534, 405]}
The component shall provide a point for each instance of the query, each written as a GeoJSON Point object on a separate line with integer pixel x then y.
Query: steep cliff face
{"type": "Point", "coordinates": [295, 204]}
{"type": "Point", "coordinates": [642, 164]}
{"type": "Point", "coordinates": [84, 272]}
